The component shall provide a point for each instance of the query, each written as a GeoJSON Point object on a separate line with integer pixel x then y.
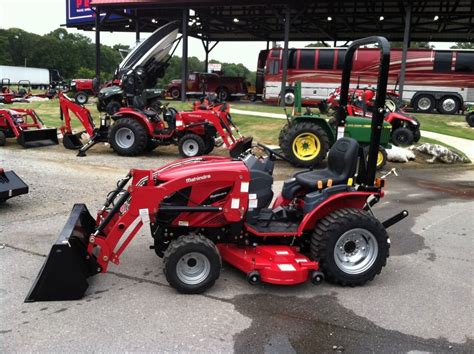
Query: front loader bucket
{"type": "Point", "coordinates": [72, 141]}
{"type": "Point", "coordinates": [38, 137]}
{"type": "Point", "coordinates": [66, 269]}
{"type": "Point", "coordinates": [11, 185]}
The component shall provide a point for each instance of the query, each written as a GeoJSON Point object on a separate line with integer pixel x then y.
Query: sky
{"type": "Point", "coordinates": [43, 16]}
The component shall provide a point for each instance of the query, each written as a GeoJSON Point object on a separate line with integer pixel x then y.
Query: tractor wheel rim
{"type": "Point", "coordinates": [356, 251]}
{"type": "Point", "coordinates": [289, 98]}
{"type": "Point", "coordinates": [424, 103]}
{"type": "Point", "coordinates": [190, 148]}
{"type": "Point", "coordinates": [125, 138]}
{"type": "Point", "coordinates": [81, 99]}
{"type": "Point", "coordinates": [306, 146]}
{"type": "Point", "coordinates": [379, 158]}
{"type": "Point", "coordinates": [193, 268]}
{"type": "Point", "coordinates": [175, 93]}
{"type": "Point", "coordinates": [449, 104]}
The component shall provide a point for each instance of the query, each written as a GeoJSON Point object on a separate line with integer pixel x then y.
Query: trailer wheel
{"type": "Point", "coordinates": [3, 138]}
{"type": "Point", "coordinates": [424, 103]}
{"type": "Point", "coordinates": [448, 105]}
{"type": "Point", "coordinates": [112, 107]}
{"type": "Point", "coordinates": [209, 144]}
{"type": "Point", "coordinates": [191, 145]}
{"type": "Point", "coordinates": [351, 246]}
{"type": "Point", "coordinates": [192, 264]}
{"type": "Point", "coordinates": [402, 136]}
{"type": "Point", "coordinates": [175, 93]}
{"type": "Point", "coordinates": [81, 97]}
{"type": "Point", "coordinates": [470, 119]}
{"type": "Point", "coordinates": [289, 98]}
{"type": "Point", "coordinates": [305, 144]}
{"type": "Point", "coordinates": [128, 137]}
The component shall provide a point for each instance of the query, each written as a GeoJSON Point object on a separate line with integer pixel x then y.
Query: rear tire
{"type": "Point", "coordinates": [81, 97]}
{"type": "Point", "coordinates": [305, 144]}
{"type": "Point", "coordinates": [175, 93]}
{"type": "Point", "coordinates": [351, 246]}
{"type": "Point", "coordinates": [192, 264]}
{"type": "Point", "coordinates": [402, 136]}
{"type": "Point", "coordinates": [209, 144]}
{"type": "Point", "coordinates": [128, 137]}
{"type": "Point", "coordinates": [470, 119]}
{"type": "Point", "coordinates": [191, 145]}
{"type": "Point", "coordinates": [424, 103]}
{"type": "Point", "coordinates": [3, 139]}
{"type": "Point", "coordinates": [448, 105]}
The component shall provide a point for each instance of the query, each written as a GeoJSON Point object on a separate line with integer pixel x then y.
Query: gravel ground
{"type": "Point", "coordinates": [422, 301]}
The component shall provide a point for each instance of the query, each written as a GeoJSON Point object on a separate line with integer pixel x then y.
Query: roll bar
{"type": "Point", "coordinates": [378, 115]}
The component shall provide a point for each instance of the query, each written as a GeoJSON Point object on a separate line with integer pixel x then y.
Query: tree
{"type": "Point", "coordinates": [413, 45]}
{"type": "Point", "coordinates": [463, 45]}
{"type": "Point", "coordinates": [317, 44]}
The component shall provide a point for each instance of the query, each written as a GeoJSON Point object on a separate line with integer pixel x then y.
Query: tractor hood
{"type": "Point", "coordinates": [156, 47]}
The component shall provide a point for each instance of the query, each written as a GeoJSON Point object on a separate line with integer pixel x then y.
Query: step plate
{"type": "Point", "coordinates": [281, 265]}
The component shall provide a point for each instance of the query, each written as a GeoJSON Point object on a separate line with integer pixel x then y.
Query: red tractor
{"type": "Point", "coordinates": [136, 130]}
{"type": "Point", "coordinates": [205, 210]}
{"type": "Point", "coordinates": [405, 128]}
{"type": "Point", "coordinates": [27, 127]}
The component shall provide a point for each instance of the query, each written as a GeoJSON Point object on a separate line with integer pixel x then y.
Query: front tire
{"type": "Point", "coordinates": [191, 145]}
{"type": "Point", "coordinates": [112, 107]}
{"type": "Point", "coordinates": [192, 264]}
{"type": "Point", "coordinates": [3, 139]}
{"type": "Point", "coordinates": [128, 137]}
{"type": "Point", "coordinates": [402, 136]}
{"type": "Point", "coordinates": [305, 144]}
{"type": "Point", "coordinates": [209, 144]}
{"type": "Point", "coordinates": [470, 119]}
{"type": "Point", "coordinates": [81, 97]}
{"type": "Point", "coordinates": [381, 157]}
{"type": "Point", "coordinates": [351, 246]}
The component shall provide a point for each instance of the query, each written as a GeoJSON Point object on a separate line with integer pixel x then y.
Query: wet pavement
{"type": "Point", "coordinates": [422, 300]}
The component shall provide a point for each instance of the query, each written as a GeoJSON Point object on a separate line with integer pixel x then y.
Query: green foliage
{"type": "Point", "coordinates": [70, 53]}
{"type": "Point", "coordinates": [463, 45]}
{"type": "Point", "coordinates": [317, 44]}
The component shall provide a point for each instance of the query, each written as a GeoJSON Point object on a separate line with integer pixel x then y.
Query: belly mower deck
{"type": "Point", "coordinates": [281, 265]}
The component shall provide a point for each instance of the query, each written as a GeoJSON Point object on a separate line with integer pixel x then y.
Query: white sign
{"type": "Point", "coordinates": [214, 67]}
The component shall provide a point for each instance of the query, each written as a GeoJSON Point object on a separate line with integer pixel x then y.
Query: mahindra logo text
{"type": "Point", "coordinates": [197, 178]}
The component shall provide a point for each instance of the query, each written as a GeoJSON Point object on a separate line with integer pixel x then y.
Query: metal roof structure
{"type": "Point", "coordinates": [342, 20]}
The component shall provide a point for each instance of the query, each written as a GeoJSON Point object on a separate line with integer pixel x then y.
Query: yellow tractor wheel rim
{"type": "Point", "coordinates": [380, 159]}
{"type": "Point", "coordinates": [306, 146]}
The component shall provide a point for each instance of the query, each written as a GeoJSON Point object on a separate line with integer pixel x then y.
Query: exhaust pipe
{"type": "Point", "coordinates": [66, 269]}
{"type": "Point", "coordinates": [38, 137]}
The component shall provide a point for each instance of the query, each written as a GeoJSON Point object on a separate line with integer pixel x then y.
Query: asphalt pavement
{"type": "Point", "coordinates": [422, 300]}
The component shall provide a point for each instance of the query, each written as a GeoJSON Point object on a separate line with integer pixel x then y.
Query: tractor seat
{"type": "Point", "coordinates": [342, 164]}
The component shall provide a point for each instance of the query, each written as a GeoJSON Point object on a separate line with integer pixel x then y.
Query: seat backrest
{"type": "Point", "coordinates": [342, 157]}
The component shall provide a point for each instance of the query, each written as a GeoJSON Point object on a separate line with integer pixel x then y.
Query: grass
{"type": "Point", "coordinates": [453, 125]}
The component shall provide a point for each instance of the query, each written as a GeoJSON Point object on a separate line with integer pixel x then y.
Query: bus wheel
{"type": "Point", "coordinates": [448, 105]}
{"type": "Point", "coordinates": [424, 103]}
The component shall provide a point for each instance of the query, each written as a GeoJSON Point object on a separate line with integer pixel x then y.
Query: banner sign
{"type": "Point", "coordinates": [79, 12]}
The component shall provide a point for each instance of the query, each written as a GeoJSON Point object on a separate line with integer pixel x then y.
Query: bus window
{"type": "Point", "coordinates": [292, 59]}
{"type": "Point", "coordinates": [273, 67]}
{"type": "Point", "coordinates": [341, 53]}
{"type": "Point", "coordinates": [307, 57]}
{"type": "Point", "coordinates": [442, 62]}
{"type": "Point", "coordinates": [326, 59]}
{"type": "Point", "coordinates": [465, 62]}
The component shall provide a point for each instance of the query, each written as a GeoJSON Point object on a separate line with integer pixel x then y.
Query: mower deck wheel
{"type": "Point", "coordinates": [351, 246]}
{"type": "Point", "coordinates": [192, 264]}
{"type": "Point", "coordinates": [253, 277]}
{"type": "Point", "coordinates": [317, 277]}
{"type": "Point", "coordinates": [191, 145]}
{"type": "Point", "coordinates": [3, 138]}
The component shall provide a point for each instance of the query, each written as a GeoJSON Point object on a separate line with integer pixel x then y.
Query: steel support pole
{"type": "Point", "coordinates": [285, 57]}
{"type": "Point", "coordinates": [137, 28]}
{"type": "Point", "coordinates": [206, 61]}
{"type": "Point", "coordinates": [97, 43]}
{"type": "Point", "coordinates": [406, 45]}
{"type": "Point", "coordinates": [184, 58]}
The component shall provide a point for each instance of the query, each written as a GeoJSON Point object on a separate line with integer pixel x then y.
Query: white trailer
{"type": "Point", "coordinates": [36, 77]}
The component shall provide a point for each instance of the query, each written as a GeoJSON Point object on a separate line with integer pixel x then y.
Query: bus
{"type": "Point", "coordinates": [441, 80]}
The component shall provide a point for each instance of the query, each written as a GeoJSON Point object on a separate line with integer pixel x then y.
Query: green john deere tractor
{"type": "Point", "coordinates": [306, 138]}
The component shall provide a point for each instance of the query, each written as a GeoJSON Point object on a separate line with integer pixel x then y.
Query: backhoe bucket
{"type": "Point", "coordinates": [66, 269]}
{"type": "Point", "coordinates": [38, 137]}
{"type": "Point", "coordinates": [11, 185]}
{"type": "Point", "coordinates": [72, 141]}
